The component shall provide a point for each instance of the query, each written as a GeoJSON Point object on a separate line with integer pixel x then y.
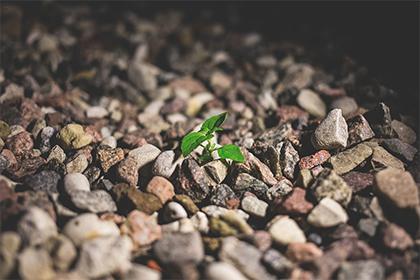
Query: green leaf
{"type": "Point", "coordinates": [232, 152]}
{"type": "Point", "coordinates": [192, 140]}
{"type": "Point", "coordinates": [213, 123]}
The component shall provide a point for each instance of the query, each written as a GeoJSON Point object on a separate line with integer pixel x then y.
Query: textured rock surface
{"type": "Point", "coordinates": [332, 132]}
{"type": "Point", "coordinates": [327, 213]}
{"type": "Point", "coordinates": [350, 159]}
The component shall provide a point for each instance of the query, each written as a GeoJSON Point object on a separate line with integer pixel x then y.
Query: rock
{"type": "Point", "coordinates": [72, 136]}
{"type": "Point", "coordinates": [254, 206]}
{"type": "Point", "coordinates": [237, 220]}
{"type": "Point", "coordinates": [380, 119]}
{"type": "Point", "coordinates": [327, 213]}
{"type": "Point", "coordinates": [277, 262]}
{"type": "Point", "coordinates": [368, 226]}
{"type": "Point", "coordinates": [19, 143]}
{"type": "Point", "coordinates": [35, 261]}
{"type": "Point", "coordinates": [381, 158]}
{"type": "Point", "coordinates": [127, 171]}
{"type": "Point", "coordinates": [404, 132]}
{"type": "Point", "coordinates": [311, 161]}
{"type": "Point", "coordinates": [347, 105]}
{"type": "Point", "coordinates": [311, 103]}
{"type": "Point", "coordinates": [4, 129]}
{"type": "Point", "coordinates": [351, 158]}
{"type": "Point", "coordinates": [255, 167]}
{"type": "Point", "coordinates": [217, 170]}
{"type": "Point", "coordinates": [36, 226]}
{"type": "Point", "coordinates": [400, 149]}
{"type": "Point", "coordinates": [358, 181]}
{"type": "Point", "coordinates": [109, 141]}
{"type": "Point", "coordinates": [245, 182]}
{"type": "Point", "coordinates": [196, 102]}
{"type": "Point", "coordinates": [174, 211]}
{"type": "Point", "coordinates": [359, 130]}
{"type": "Point", "coordinates": [187, 203]}
{"type": "Point", "coordinates": [46, 180]}
{"type": "Point", "coordinates": [284, 230]}
{"type": "Point", "coordinates": [245, 257]}
{"type": "Point", "coordinates": [103, 256]}
{"type": "Point", "coordinates": [96, 112]}
{"type": "Point", "coordinates": [89, 226]}
{"type": "Point", "coordinates": [162, 188]}
{"type": "Point", "coordinates": [200, 222]}
{"type": "Point", "coordinates": [279, 190]}
{"type": "Point", "coordinates": [330, 184]}
{"type": "Point", "coordinates": [45, 136]}
{"type": "Point", "coordinates": [332, 132]}
{"type": "Point", "coordinates": [62, 252]}
{"type": "Point", "coordinates": [298, 75]}
{"type": "Point", "coordinates": [179, 248]}
{"type": "Point", "coordinates": [141, 272]}
{"type": "Point", "coordinates": [364, 269]}
{"type": "Point", "coordinates": [76, 182]}
{"type": "Point", "coordinates": [193, 181]}
{"type": "Point", "coordinates": [164, 164]}
{"type": "Point", "coordinates": [57, 153]}
{"type": "Point", "coordinates": [269, 155]}
{"type": "Point", "coordinates": [98, 201]}
{"type": "Point", "coordinates": [142, 228]}
{"type": "Point", "coordinates": [397, 187]}
{"type": "Point", "coordinates": [396, 238]}
{"type": "Point", "coordinates": [143, 75]}
{"type": "Point", "coordinates": [289, 158]}
{"type": "Point", "coordinates": [304, 178]}
{"type": "Point", "coordinates": [295, 203]}
{"type": "Point", "coordinates": [223, 195]}
{"type": "Point", "coordinates": [129, 198]}
{"type": "Point", "coordinates": [9, 246]}
{"type": "Point", "coordinates": [78, 164]}
{"type": "Point", "coordinates": [303, 252]}
{"type": "Point", "coordinates": [221, 271]}
{"type": "Point", "coordinates": [108, 157]}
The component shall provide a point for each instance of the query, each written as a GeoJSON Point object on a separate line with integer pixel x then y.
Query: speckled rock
{"type": "Point", "coordinates": [400, 149]}
{"type": "Point", "coordinates": [46, 180]}
{"type": "Point", "coordinates": [349, 159]}
{"type": "Point", "coordinates": [380, 120]}
{"type": "Point", "coordinates": [108, 157]}
{"type": "Point", "coordinates": [217, 170]}
{"type": "Point", "coordinates": [254, 206]}
{"type": "Point", "coordinates": [359, 130]}
{"type": "Point", "coordinates": [382, 158]}
{"type": "Point", "coordinates": [19, 143]}
{"type": "Point", "coordinates": [330, 184]}
{"type": "Point", "coordinates": [78, 164]}
{"type": "Point", "coordinates": [311, 161]}
{"type": "Point", "coordinates": [332, 132]}
{"type": "Point", "coordinates": [72, 136]}
{"type": "Point", "coordinates": [289, 158]}
{"type": "Point", "coordinates": [295, 203]}
{"type": "Point", "coordinates": [223, 195]}
{"type": "Point", "coordinates": [97, 201]}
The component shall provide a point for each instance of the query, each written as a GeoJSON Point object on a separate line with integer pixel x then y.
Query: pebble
{"type": "Point", "coordinates": [76, 182]}
{"type": "Point", "coordinates": [173, 211]}
{"type": "Point", "coordinates": [196, 102]}
{"type": "Point", "coordinates": [396, 238]}
{"type": "Point", "coordinates": [164, 165]}
{"type": "Point", "coordinates": [277, 262]}
{"type": "Point", "coordinates": [363, 269]}
{"type": "Point", "coordinates": [303, 252]}
{"type": "Point", "coordinates": [381, 158]}
{"type": "Point", "coordinates": [255, 167]}
{"type": "Point", "coordinates": [162, 188]}
{"type": "Point", "coordinates": [400, 149]}
{"type": "Point", "coordinates": [19, 143]}
{"type": "Point", "coordinates": [284, 231]}
{"type": "Point", "coordinates": [245, 257]}
{"type": "Point", "coordinates": [404, 132]}
{"type": "Point", "coordinates": [44, 138]}
{"type": "Point", "coordinates": [347, 105]}
{"type": "Point", "coordinates": [129, 198]}
{"type": "Point", "coordinates": [36, 226]}
{"type": "Point", "coordinates": [330, 184]}
{"type": "Point", "coordinates": [46, 180]}
{"type": "Point", "coordinates": [98, 201]}
{"type": "Point", "coordinates": [304, 178]}
{"type": "Point", "coordinates": [368, 226]}
{"type": "Point", "coordinates": [351, 158]}
{"type": "Point", "coordinates": [109, 141]}
{"type": "Point", "coordinates": [223, 195]}
{"type": "Point", "coordinates": [187, 203]}
{"type": "Point", "coordinates": [246, 182]}
{"type": "Point", "coordinates": [88, 226]}
{"type": "Point", "coordinates": [327, 213]}
{"type": "Point", "coordinates": [144, 154]}
{"type": "Point", "coordinates": [380, 120]}
{"type": "Point", "coordinates": [143, 75]}
{"type": "Point", "coordinates": [57, 153]}
{"type": "Point", "coordinates": [289, 158]}
{"type": "Point", "coordinates": [397, 187]}
{"type": "Point", "coordinates": [78, 164]}
{"type": "Point", "coordinates": [62, 252]}
{"type": "Point", "coordinates": [217, 170]}
{"type": "Point", "coordinates": [35, 261]}
{"type": "Point", "coordinates": [179, 248]}
{"type": "Point", "coordinates": [4, 130]}
{"type": "Point", "coordinates": [103, 256]}
{"type": "Point", "coordinates": [9, 247]}
{"type": "Point", "coordinates": [96, 112]}
{"type": "Point", "coordinates": [127, 171]}
{"type": "Point", "coordinates": [359, 130]}
{"type": "Point", "coordinates": [279, 190]}
{"type": "Point", "coordinates": [200, 222]}
{"type": "Point", "coordinates": [254, 206]}
{"type": "Point", "coordinates": [141, 272]}
{"type": "Point", "coordinates": [143, 229]}
{"type": "Point", "coordinates": [312, 103]}
{"type": "Point", "coordinates": [108, 157]}
{"type": "Point", "coordinates": [72, 136]}
{"type": "Point", "coordinates": [222, 271]}
{"type": "Point", "coordinates": [332, 132]}
{"type": "Point", "coordinates": [358, 181]}
{"type": "Point", "coordinates": [295, 203]}
{"type": "Point", "coordinates": [311, 161]}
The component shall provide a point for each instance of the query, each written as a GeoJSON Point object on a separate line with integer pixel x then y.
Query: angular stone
{"type": "Point", "coordinates": [305, 178]}
{"type": "Point", "coordinates": [35, 261]}
{"type": "Point", "coordinates": [217, 170]}
{"type": "Point", "coordinates": [404, 132]}
{"type": "Point", "coordinates": [311, 161]}
{"type": "Point", "coordinates": [142, 228]}
{"type": "Point", "coordinates": [19, 143]}
{"type": "Point", "coordinates": [129, 198]}
{"type": "Point", "coordinates": [311, 103]}
{"type": "Point", "coordinates": [332, 132]}
{"type": "Point", "coordinates": [279, 190]}
{"type": "Point", "coordinates": [72, 136]}
{"type": "Point", "coordinates": [359, 130]}
{"type": "Point", "coordinates": [364, 269]}
{"type": "Point", "coordinates": [295, 203]}
{"type": "Point", "coordinates": [381, 158]}
{"type": "Point", "coordinates": [284, 230]}
{"type": "Point", "coordinates": [46, 180]}
{"type": "Point", "coordinates": [358, 181]}
{"type": "Point", "coordinates": [108, 157]}
{"type": "Point", "coordinates": [57, 153]}
{"type": "Point", "coordinates": [127, 171]}
{"type": "Point", "coordinates": [255, 167]}
{"type": "Point", "coordinates": [223, 195]}
{"type": "Point", "coordinates": [193, 181]}
{"type": "Point", "coordinates": [269, 155]}
{"type": "Point", "coordinates": [78, 164]}
{"type": "Point", "coordinates": [351, 158]}
{"type": "Point", "coordinates": [36, 226]}
{"type": "Point", "coordinates": [327, 213]}
{"type": "Point", "coordinates": [245, 182]}
{"type": "Point", "coordinates": [400, 149]}
{"type": "Point", "coordinates": [397, 187]}
{"type": "Point", "coordinates": [289, 158]}
{"type": "Point", "coordinates": [380, 119]}
{"type": "Point", "coordinates": [330, 184]}
{"type": "Point", "coordinates": [347, 105]}
{"type": "Point", "coordinates": [162, 188]}
{"type": "Point", "coordinates": [254, 206]}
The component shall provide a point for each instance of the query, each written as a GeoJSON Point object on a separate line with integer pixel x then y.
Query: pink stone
{"type": "Point", "coordinates": [313, 160]}
{"type": "Point", "coordinates": [162, 188]}
{"type": "Point", "coordinates": [295, 202]}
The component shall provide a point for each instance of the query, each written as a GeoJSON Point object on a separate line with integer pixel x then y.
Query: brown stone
{"type": "Point", "coordinates": [109, 157]}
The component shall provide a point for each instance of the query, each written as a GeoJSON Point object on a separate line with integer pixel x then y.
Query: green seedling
{"type": "Point", "coordinates": [194, 139]}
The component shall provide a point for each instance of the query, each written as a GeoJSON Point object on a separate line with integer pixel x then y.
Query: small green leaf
{"type": "Point", "coordinates": [232, 152]}
{"type": "Point", "coordinates": [192, 140]}
{"type": "Point", "coordinates": [213, 123]}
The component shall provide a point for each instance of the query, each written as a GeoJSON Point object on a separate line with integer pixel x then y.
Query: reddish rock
{"type": "Point", "coordinates": [162, 188]}
{"type": "Point", "coordinates": [313, 160]}
{"type": "Point", "coordinates": [13, 164]}
{"type": "Point", "coordinates": [142, 228]}
{"type": "Point", "coordinates": [30, 112]}
{"type": "Point", "coordinates": [20, 143]}
{"type": "Point", "coordinates": [108, 157]}
{"type": "Point", "coordinates": [28, 165]}
{"type": "Point", "coordinates": [358, 181]}
{"type": "Point", "coordinates": [127, 171]}
{"type": "Point", "coordinates": [303, 252]}
{"type": "Point", "coordinates": [395, 237]}
{"type": "Point", "coordinates": [295, 203]}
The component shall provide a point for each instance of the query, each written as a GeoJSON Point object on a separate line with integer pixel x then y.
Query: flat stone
{"type": "Point", "coordinates": [327, 213]}
{"type": "Point", "coordinates": [312, 103]}
{"type": "Point", "coordinates": [162, 188]}
{"type": "Point", "coordinates": [397, 187]}
{"type": "Point", "coordinates": [359, 130]}
{"type": "Point", "coordinates": [380, 120]}
{"type": "Point", "coordinates": [222, 271]}
{"type": "Point", "coordinates": [311, 161]}
{"type": "Point", "coordinates": [289, 158]}
{"type": "Point", "coordinates": [97, 201]}
{"type": "Point", "coordinates": [404, 132]}
{"type": "Point", "coordinates": [46, 180]}
{"type": "Point", "coordinates": [35, 261]}
{"type": "Point", "coordinates": [347, 105]}
{"type": "Point", "coordinates": [254, 206]}
{"type": "Point", "coordinates": [351, 158]}
{"type": "Point", "coordinates": [284, 230]}
{"type": "Point", "coordinates": [332, 132]}
{"type": "Point", "coordinates": [217, 170]}
{"type": "Point", "coordinates": [129, 198]}
{"type": "Point", "coordinates": [142, 228]}
{"type": "Point", "coordinates": [330, 184]}
{"type": "Point", "coordinates": [9, 247]}
{"type": "Point", "coordinates": [358, 181]}
{"type": "Point", "coordinates": [303, 252]}
{"type": "Point", "coordinates": [400, 149]}
{"type": "Point", "coordinates": [164, 164]}
{"type": "Point", "coordinates": [223, 195]}
{"type": "Point", "coordinates": [36, 226]}
{"type": "Point", "coordinates": [382, 158]}
{"type": "Point", "coordinates": [72, 136]}
{"type": "Point", "coordinates": [103, 256]}
{"type": "Point", "coordinates": [193, 181]}
{"type": "Point", "coordinates": [108, 157]}
{"type": "Point", "coordinates": [245, 182]}
{"type": "Point", "coordinates": [295, 203]}
{"type": "Point", "coordinates": [245, 257]}
{"type": "Point", "coordinates": [364, 269]}
{"type": "Point", "coordinates": [396, 238]}
{"type": "Point", "coordinates": [88, 226]}
{"type": "Point", "coordinates": [179, 248]}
